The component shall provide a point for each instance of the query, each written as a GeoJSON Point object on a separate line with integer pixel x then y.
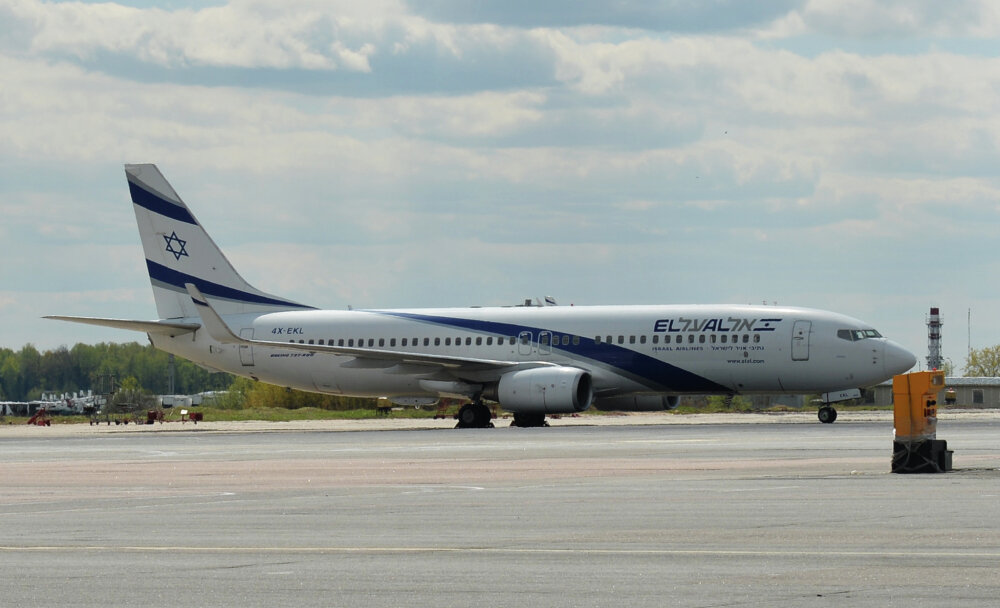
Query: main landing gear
{"type": "Point", "coordinates": [827, 414]}
{"type": "Point", "coordinates": [477, 415]}
{"type": "Point", "coordinates": [474, 416]}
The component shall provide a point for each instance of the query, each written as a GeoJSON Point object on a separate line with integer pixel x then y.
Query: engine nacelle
{"type": "Point", "coordinates": [638, 403]}
{"type": "Point", "coordinates": [546, 390]}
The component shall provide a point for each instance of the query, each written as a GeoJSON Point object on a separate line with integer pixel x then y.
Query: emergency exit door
{"type": "Point", "coordinates": [246, 351]}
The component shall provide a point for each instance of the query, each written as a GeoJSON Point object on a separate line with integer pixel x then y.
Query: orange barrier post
{"type": "Point", "coordinates": [915, 446]}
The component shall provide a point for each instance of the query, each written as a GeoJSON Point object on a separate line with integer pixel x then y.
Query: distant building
{"type": "Point", "coordinates": [960, 392]}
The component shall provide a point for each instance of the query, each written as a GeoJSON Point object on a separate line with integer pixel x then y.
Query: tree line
{"type": "Point", "coordinates": [27, 373]}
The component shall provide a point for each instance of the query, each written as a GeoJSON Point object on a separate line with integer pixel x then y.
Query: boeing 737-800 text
{"type": "Point", "coordinates": [533, 361]}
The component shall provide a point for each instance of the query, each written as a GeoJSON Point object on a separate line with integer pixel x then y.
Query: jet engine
{"type": "Point", "coordinates": [638, 403]}
{"type": "Point", "coordinates": [544, 390]}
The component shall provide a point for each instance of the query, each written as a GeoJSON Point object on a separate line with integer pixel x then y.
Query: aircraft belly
{"type": "Point", "coordinates": [817, 375]}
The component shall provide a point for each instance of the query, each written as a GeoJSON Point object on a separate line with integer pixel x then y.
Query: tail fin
{"type": "Point", "coordinates": [179, 251]}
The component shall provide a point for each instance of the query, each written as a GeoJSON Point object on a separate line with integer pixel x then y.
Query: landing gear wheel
{"type": "Point", "coordinates": [827, 414]}
{"type": "Point", "coordinates": [474, 416]}
{"type": "Point", "coordinates": [529, 420]}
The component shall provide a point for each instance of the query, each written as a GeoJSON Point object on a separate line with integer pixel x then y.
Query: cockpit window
{"type": "Point", "coordinates": [854, 335]}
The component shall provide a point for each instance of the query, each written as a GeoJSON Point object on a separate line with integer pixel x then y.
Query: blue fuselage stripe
{"type": "Point", "coordinates": [159, 273]}
{"type": "Point", "coordinates": [147, 200]}
{"type": "Point", "coordinates": [657, 374]}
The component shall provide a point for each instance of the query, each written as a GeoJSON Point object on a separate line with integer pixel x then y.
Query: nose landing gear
{"type": "Point", "coordinates": [827, 414]}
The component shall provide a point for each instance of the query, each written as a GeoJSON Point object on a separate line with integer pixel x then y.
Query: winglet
{"type": "Point", "coordinates": [210, 320]}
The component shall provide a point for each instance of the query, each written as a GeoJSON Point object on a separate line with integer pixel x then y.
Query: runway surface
{"type": "Point", "coordinates": [724, 513]}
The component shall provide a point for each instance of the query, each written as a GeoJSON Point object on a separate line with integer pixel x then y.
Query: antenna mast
{"type": "Point", "coordinates": [934, 339]}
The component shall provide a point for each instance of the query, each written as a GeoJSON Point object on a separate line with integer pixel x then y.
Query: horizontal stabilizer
{"type": "Point", "coordinates": [150, 327]}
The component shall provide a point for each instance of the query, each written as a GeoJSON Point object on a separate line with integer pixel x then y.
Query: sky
{"type": "Point", "coordinates": [835, 154]}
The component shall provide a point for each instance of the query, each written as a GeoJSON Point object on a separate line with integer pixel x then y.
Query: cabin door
{"type": "Point", "coordinates": [800, 340]}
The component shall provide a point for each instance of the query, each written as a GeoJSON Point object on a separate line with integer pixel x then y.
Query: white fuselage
{"type": "Point", "coordinates": [710, 349]}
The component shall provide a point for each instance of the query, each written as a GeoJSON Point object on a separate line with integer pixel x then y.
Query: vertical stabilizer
{"type": "Point", "coordinates": [179, 251]}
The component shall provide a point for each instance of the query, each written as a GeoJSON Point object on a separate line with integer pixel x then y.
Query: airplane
{"type": "Point", "coordinates": [533, 361]}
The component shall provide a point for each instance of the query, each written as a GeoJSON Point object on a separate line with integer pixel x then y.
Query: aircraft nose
{"type": "Point", "coordinates": [897, 359]}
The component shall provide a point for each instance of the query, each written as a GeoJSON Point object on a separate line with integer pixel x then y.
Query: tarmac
{"type": "Point", "coordinates": [653, 509]}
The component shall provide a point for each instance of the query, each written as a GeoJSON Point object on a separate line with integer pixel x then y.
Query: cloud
{"type": "Point", "coordinates": [235, 35]}
{"type": "Point", "coordinates": [902, 18]}
{"type": "Point", "coordinates": [316, 48]}
{"type": "Point", "coordinates": [667, 15]}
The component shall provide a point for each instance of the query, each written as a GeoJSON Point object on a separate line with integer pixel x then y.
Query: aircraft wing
{"type": "Point", "coordinates": [150, 327]}
{"type": "Point", "coordinates": [217, 328]}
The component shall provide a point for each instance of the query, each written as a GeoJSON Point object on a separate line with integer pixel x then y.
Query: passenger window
{"type": "Point", "coordinates": [350, 342]}
{"type": "Point", "coordinates": [656, 338]}
{"type": "Point", "coordinates": [724, 338]}
{"type": "Point", "coordinates": [621, 339]}
{"type": "Point", "coordinates": [489, 340]}
{"type": "Point", "coordinates": [321, 342]}
{"type": "Point", "coordinates": [447, 341]}
{"type": "Point", "coordinates": [403, 343]}
{"type": "Point", "coordinates": [479, 340]}
{"type": "Point", "coordinates": [576, 340]}
{"type": "Point", "coordinates": [690, 338]}
{"type": "Point", "coordinates": [468, 341]}
{"type": "Point", "coordinates": [746, 338]}
{"type": "Point", "coordinates": [597, 339]}
{"type": "Point", "coordinates": [381, 341]}
{"type": "Point", "coordinates": [609, 340]}
{"type": "Point", "coordinates": [543, 339]}
{"type": "Point", "coordinates": [340, 342]}
{"type": "Point", "coordinates": [642, 339]}
{"type": "Point", "coordinates": [437, 341]}
{"type": "Point", "coordinates": [427, 342]}
{"type": "Point", "coordinates": [701, 338]}
{"type": "Point", "coordinates": [756, 338]}
{"type": "Point", "coordinates": [311, 341]}
{"type": "Point", "coordinates": [631, 339]}
{"type": "Point", "coordinates": [713, 338]}
{"type": "Point", "coordinates": [565, 340]}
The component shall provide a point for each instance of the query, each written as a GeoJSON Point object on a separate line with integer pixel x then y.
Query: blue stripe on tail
{"type": "Point", "coordinates": [176, 280]}
{"type": "Point", "coordinates": [147, 200]}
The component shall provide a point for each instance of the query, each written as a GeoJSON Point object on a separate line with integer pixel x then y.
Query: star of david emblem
{"type": "Point", "coordinates": [175, 245]}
